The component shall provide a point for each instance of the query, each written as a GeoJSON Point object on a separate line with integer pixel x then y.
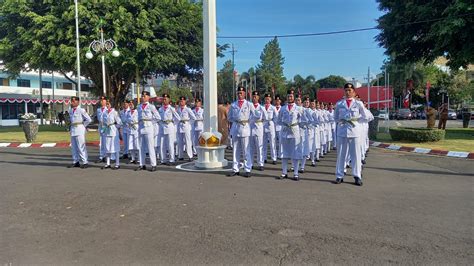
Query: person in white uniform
{"type": "Point", "coordinates": [169, 120]}
{"type": "Point", "coordinates": [269, 135]}
{"type": "Point", "coordinates": [348, 115]}
{"type": "Point", "coordinates": [112, 141]}
{"type": "Point", "coordinates": [289, 118]}
{"type": "Point", "coordinates": [186, 117]}
{"type": "Point", "coordinates": [198, 124]}
{"type": "Point", "coordinates": [101, 116]}
{"type": "Point", "coordinates": [307, 129]}
{"type": "Point", "coordinates": [79, 121]}
{"type": "Point", "coordinates": [278, 126]}
{"type": "Point", "coordinates": [365, 132]}
{"type": "Point", "coordinates": [147, 116]}
{"type": "Point", "coordinates": [239, 115]}
{"type": "Point", "coordinates": [256, 130]}
{"type": "Point", "coordinates": [125, 129]}
{"type": "Point", "coordinates": [315, 121]}
{"type": "Point", "coordinates": [332, 122]}
{"type": "Point", "coordinates": [133, 143]}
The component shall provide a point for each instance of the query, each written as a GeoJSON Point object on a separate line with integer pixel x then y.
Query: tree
{"type": "Point", "coordinates": [307, 85]}
{"type": "Point", "coordinates": [423, 30]}
{"type": "Point", "coordinates": [225, 82]}
{"type": "Point", "coordinates": [331, 81]}
{"type": "Point", "coordinates": [154, 37]}
{"type": "Point", "coordinates": [270, 70]}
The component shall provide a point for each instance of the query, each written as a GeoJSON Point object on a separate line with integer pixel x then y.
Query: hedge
{"type": "Point", "coordinates": [417, 134]}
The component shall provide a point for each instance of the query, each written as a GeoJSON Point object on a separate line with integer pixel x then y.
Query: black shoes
{"type": "Point", "coordinates": [317, 160]}
{"type": "Point", "coordinates": [153, 169]}
{"type": "Point", "coordinates": [84, 166]}
{"type": "Point", "coordinates": [247, 175]}
{"type": "Point", "coordinates": [233, 174]}
{"type": "Point", "coordinates": [301, 171]}
{"type": "Point", "coordinates": [338, 181]}
{"type": "Point", "coordinates": [116, 167]}
{"type": "Point", "coordinates": [100, 160]}
{"type": "Point", "coordinates": [364, 162]}
{"type": "Point", "coordinates": [74, 165]}
{"type": "Point", "coordinates": [358, 181]}
{"type": "Point", "coordinates": [125, 156]}
{"type": "Point", "coordinates": [106, 166]}
{"type": "Point", "coordinates": [260, 168]}
{"type": "Point", "coordinates": [296, 178]}
{"type": "Point", "coordinates": [274, 162]}
{"type": "Point", "coordinates": [313, 164]}
{"type": "Point", "coordinates": [282, 176]}
{"type": "Point", "coordinates": [139, 168]}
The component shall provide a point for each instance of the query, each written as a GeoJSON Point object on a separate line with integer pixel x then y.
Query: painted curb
{"type": "Point", "coordinates": [43, 145]}
{"type": "Point", "coordinates": [393, 147]}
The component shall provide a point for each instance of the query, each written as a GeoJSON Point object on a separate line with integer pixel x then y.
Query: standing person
{"type": "Point", "coordinates": [101, 115]}
{"type": "Point", "coordinates": [186, 115]}
{"type": "Point", "coordinates": [430, 117]}
{"type": "Point", "coordinates": [328, 131]}
{"type": "Point", "coordinates": [277, 126]}
{"type": "Point", "coordinates": [332, 123]}
{"type": "Point", "coordinates": [112, 141]}
{"type": "Point", "coordinates": [289, 118]}
{"type": "Point", "coordinates": [125, 129]}
{"type": "Point", "coordinates": [239, 115]}
{"type": "Point", "coordinates": [364, 143]}
{"type": "Point", "coordinates": [198, 125]}
{"type": "Point", "coordinates": [315, 119]}
{"type": "Point", "coordinates": [256, 128]}
{"type": "Point", "coordinates": [306, 129]}
{"type": "Point", "coordinates": [147, 115]}
{"type": "Point", "coordinates": [133, 142]}
{"type": "Point", "coordinates": [223, 123]}
{"type": "Point", "coordinates": [79, 121]}
{"type": "Point", "coordinates": [348, 113]}
{"type": "Point", "coordinates": [269, 137]}
{"type": "Point", "coordinates": [443, 116]}
{"type": "Point", "coordinates": [169, 119]}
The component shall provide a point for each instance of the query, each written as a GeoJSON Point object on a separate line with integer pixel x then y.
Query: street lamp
{"type": "Point", "coordinates": [102, 46]}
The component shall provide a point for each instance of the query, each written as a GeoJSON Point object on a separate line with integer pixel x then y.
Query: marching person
{"type": "Point", "coordinates": [322, 128]}
{"type": "Point", "coordinates": [239, 115]}
{"type": "Point", "coordinates": [332, 123]}
{"type": "Point", "coordinates": [277, 126]}
{"type": "Point", "coordinates": [147, 115]}
{"type": "Point", "coordinates": [79, 121]}
{"type": "Point", "coordinates": [169, 117]}
{"type": "Point", "coordinates": [306, 129]}
{"type": "Point", "coordinates": [269, 135]}
{"type": "Point", "coordinates": [289, 118]}
{"type": "Point", "coordinates": [133, 143]}
{"type": "Point", "coordinates": [316, 123]}
{"type": "Point", "coordinates": [101, 115]}
{"type": "Point", "coordinates": [365, 132]}
{"type": "Point", "coordinates": [125, 129]}
{"type": "Point", "coordinates": [348, 114]}
{"type": "Point", "coordinates": [198, 125]}
{"type": "Point", "coordinates": [327, 129]}
{"type": "Point", "coordinates": [256, 127]}
{"type": "Point", "coordinates": [186, 115]}
{"type": "Point", "coordinates": [112, 123]}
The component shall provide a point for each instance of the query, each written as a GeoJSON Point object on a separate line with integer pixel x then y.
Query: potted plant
{"type": "Point", "coordinates": [30, 126]}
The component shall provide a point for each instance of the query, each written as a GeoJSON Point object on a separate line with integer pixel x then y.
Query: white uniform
{"type": "Point", "coordinates": [79, 121]}
{"type": "Point", "coordinates": [328, 132]}
{"type": "Point", "coordinates": [133, 142]}
{"type": "Point", "coordinates": [307, 129]}
{"type": "Point", "coordinates": [256, 132]}
{"type": "Point", "coordinates": [169, 119]}
{"type": "Point", "coordinates": [348, 136]}
{"type": "Point", "coordinates": [332, 123]}
{"type": "Point", "coordinates": [147, 116]}
{"type": "Point", "coordinates": [239, 116]}
{"type": "Point", "coordinates": [289, 118]}
{"type": "Point", "coordinates": [186, 116]}
{"type": "Point", "coordinates": [125, 129]}
{"type": "Point", "coordinates": [365, 132]}
{"type": "Point", "coordinates": [112, 141]}
{"type": "Point", "coordinates": [277, 133]}
{"type": "Point", "coordinates": [101, 115]}
{"type": "Point", "coordinates": [269, 134]}
{"type": "Point", "coordinates": [198, 126]}
{"type": "Point", "coordinates": [316, 123]}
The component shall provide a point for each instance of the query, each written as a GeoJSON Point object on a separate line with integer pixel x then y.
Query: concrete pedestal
{"type": "Point", "coordinates": [210, 157]}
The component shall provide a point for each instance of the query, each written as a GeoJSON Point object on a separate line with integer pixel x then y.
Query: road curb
{"type": "Point", "coordinates": [43, 145]}
{"type": "Point", "coordinates": [393, 147]}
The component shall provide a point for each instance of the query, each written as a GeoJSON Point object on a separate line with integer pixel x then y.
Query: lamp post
{"type": "Point", "coordinates": [102, 46]}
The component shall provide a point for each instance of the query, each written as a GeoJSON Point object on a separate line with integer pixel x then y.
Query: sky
{"type": "Point", "coordinates": [348, 55]}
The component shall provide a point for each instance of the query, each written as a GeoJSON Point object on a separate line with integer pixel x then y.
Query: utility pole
{"type": "Point", "coordinates": [233, 73]}
{"type": "Point", "coordinates": [41, 93]}
{"type": "Point", "coordinates": [368, 86]}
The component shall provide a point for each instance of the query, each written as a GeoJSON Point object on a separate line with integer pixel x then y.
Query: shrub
{"type": "Point", "coordinates": [417, 134]}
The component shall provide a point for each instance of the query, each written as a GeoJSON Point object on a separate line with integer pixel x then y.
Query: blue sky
{"type": "Point", "coordinates": [347, 54]}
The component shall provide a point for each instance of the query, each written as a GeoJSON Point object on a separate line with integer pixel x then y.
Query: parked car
{"type": "Point", "coordinates": [452, 114]}
{"type": "Point", "coordinates": [383, 115]}
{"type": "Point", "coordinates": [404, 114]}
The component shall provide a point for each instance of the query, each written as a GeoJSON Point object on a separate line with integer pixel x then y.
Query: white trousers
{"type": "Point", "coordinates": [269, 139]}
{"type": "Point", "coordinates": [147, 143]}
{"type": "Point", "coordinates": [278, 145]}
{"type": "Point", "coordinates": [102, 142]}
{"type": "Point", "coordinates": [125, 137]}
{"type": "Point", "coordinates": [196, 135]}
{"type": "Point", "coordinates": [185, 142]}
{"type": "Point", "coordinates": [168, 148]}
{"type": "Point", "coordinates": [348, 147]}
{"type": "Point", "coordinates": [241, 146]}
{"type": "Point", "coordinates": [256, 148]}
{"type": "Point", "coordinates": [78, 148]}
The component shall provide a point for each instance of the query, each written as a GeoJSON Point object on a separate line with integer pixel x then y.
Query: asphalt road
{"type": "Point", "coordinates": [412, 209]}
{"type": "Point", "coordinates": [420, 123]}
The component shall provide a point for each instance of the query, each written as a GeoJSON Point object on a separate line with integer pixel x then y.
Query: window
{"type": "Point", "coordinates": [23, 83]}
{"type": "Point", "coordinates": [84, 87]}
{"type": "Point", "coordinates": [46, 84]}
{"type": "Point", "coordinates": [10, 110]}
{"type": "Point", "coordinates": [67, 86]}
{"type": "Point", "coordinates": [4, 82]}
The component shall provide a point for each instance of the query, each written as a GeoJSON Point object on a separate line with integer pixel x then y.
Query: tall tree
{"type": "Point", "coordinates": [225, 82]}
{"type": "Point", "coordinates": [423, 30]}
{"type": "Point", "coordinates": [331, 81]}
{"type": "Point", "coordinates": [270, 69]}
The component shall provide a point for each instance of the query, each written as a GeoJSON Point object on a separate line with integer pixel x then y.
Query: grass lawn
{"type": "Point", "coordinates": [457, 139]}
{"type": "Point", "coordinates": [46, 133]}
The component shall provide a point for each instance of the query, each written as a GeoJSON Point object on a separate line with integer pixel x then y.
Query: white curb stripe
{"type": "Point", "coordinates": [422, 150]}
{"type": "Point", "coordinates": [376, 143]}
{"type": "Point", "coordinates": [459, 154]}
{"type": "Point", "coordinates": [24, 145]}
{"type": "Point", "coordinates": [394, 147]}
{"type": "Point", "coordinates": [48, 145]}
{"type": "Point", "coordinates": [4, 145]}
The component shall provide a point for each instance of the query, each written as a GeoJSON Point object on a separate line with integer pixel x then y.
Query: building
{"type": "Point", "coordinates": [21, 95]}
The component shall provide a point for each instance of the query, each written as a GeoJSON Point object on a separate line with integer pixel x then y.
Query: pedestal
{"type": "Point", "coordinates": [210, 157]}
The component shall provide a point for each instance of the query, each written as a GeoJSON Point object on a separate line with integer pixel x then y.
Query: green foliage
{"type": "Point", "coordinates": [451, 36]}
{"type": "Point", "coordinates": [225, 82]}
{"type": "Point", "coordinates": [175, 92]}
{"type": "Point", "coordinates": [307, 85]}
{"type": "Point", "coordinates": [331, 81]}
{"type": "Point", "coordinates": [270, 69]}
{"type": "Point", "coordinates": [417, 134]}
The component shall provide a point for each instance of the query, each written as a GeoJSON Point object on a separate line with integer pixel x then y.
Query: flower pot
{"type": "Point", "coordinates": [30, 127]}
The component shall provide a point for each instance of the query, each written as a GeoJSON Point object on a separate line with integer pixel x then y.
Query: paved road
{"type": "Point", "coordinates": [412, 209]}
{"type": "Point", "coordinates": [420, 123]}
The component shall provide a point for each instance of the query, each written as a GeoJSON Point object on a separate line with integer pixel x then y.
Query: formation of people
{"type": "Point", "coordinates": [300, 132]}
